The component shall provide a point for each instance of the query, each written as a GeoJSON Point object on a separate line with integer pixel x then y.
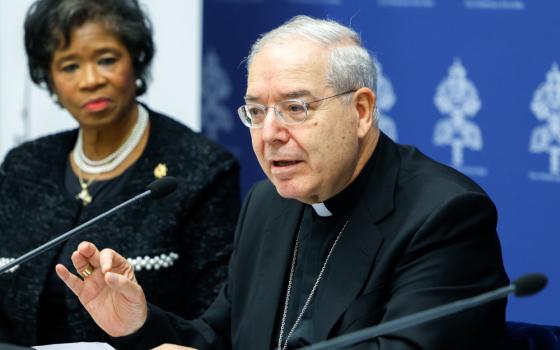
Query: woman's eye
{"type": "Point", "coordinates": [69, 68]}
{"type": "Point", "coordinates": [107, 61]}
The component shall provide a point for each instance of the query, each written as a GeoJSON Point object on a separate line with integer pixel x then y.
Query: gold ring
{"type": "Point", "coordinates": [87, 271]}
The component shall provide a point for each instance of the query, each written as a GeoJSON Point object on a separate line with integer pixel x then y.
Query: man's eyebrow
{"type": "Point", "coordinates": [297, 94]}
{"type": "Point", "coordinates": [285, 96]}
{"type": "Point", "coordinates": [249, 98]}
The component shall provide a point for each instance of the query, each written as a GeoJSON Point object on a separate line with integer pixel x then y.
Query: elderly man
{"type": "Point", "coordinates": [349, 231]}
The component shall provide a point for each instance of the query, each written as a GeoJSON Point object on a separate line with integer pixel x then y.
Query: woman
{"type": "Point", "coordinates": [93, 57]}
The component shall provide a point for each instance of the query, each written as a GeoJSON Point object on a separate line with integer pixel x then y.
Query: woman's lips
{"type": "Point", "coordinates": [97, 105]}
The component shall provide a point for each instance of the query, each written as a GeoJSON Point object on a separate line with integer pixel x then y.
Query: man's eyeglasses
{"type": "Point", "coordinates": [288, 112]}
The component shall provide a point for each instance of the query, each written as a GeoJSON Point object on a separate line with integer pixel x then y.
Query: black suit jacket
{"type": "Point", "coordinates": [420, 235]}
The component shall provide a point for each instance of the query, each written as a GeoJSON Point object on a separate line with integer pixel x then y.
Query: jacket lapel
{"type": "Point", "coordinates": [273, 262]}
{"type": "Point", "coordinates": [348, 270]}
{"type": "Point", "coordinates": [354, 257]}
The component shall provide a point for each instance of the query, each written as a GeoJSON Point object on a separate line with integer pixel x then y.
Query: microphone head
{"type": "Point", "coordinates": [162, 187]}
{"type": "Point", "coordinates": [529, 284]}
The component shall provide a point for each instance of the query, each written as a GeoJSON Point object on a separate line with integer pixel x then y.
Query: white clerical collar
{"type": "Point", "coordinates": [321, 209]}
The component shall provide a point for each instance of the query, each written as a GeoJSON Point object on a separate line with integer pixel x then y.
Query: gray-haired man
{"type": "Point", "coordinates": [350, 229]}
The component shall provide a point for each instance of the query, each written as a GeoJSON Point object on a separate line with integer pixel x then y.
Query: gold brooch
{"type": "Point", "coordinates": [160, 171]}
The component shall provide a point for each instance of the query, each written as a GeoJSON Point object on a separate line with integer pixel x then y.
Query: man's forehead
{"type": "Point", "coordinates": [287, 59]}
{"type": "Point", "coordinates": [292, 94]}
{"type": "Point", "coordinates": [280, 74]}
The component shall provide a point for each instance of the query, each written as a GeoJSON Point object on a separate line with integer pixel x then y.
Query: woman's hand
{"type": "Point", "coordinates": [109, 291]}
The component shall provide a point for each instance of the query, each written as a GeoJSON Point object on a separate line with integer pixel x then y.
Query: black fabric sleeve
{"type": "Point", "coordinates": [163, 327]}
{"type": "Point", "coordinates": [5, 333]}
{"type": "Point", "coordinates": [455, 254]}
{"type": "Point", "coordinates": [208, 232]}
{"type": "Point", "coordinates": [211, 331]}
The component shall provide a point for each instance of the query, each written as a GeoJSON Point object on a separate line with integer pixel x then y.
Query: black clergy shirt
{"type": "Point", "coordinates": [316, 237]}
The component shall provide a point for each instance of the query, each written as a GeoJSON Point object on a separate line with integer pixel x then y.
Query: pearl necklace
{"type": "Point", "coordinates": [113, 160]}
{"type": "Point", "coordinates": [311, 294]}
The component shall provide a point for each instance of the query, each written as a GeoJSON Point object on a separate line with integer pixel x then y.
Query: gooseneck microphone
{"type": "Point", "coordinates": [524, 286]}
{"type": "Point", "coordinates": [160, 188]}
{"type": "Point", "coordinates": [157, 189]}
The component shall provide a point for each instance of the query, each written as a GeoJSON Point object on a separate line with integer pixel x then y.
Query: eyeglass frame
{"type": "Point", "coordinates": [277, 114]}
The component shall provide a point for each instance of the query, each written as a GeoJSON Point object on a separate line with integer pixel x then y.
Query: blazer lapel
{"type": "Point", "coordinates": [273, 262]}
{"type": "Point", "coordinates": [353, 259]}
{"type": "Point", "coordinates": [348, 270]}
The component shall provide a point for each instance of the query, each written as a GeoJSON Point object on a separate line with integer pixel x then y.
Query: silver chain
{"type": "Point", "coordinates": [311, 294]}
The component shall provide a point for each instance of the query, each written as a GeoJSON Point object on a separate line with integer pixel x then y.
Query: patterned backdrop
{"type": "Point", "coordinates": [473, 83]}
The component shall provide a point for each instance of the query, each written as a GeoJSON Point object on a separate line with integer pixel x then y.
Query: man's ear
{"type": "Point", "coordinates": [364, 102]}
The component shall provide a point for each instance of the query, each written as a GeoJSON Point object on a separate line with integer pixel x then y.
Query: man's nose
{"type": "Point", "coordinates": [273, 130]}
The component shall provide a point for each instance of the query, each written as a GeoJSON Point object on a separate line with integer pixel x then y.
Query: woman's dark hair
{"type": "Point", "coordinates": [49, 24]}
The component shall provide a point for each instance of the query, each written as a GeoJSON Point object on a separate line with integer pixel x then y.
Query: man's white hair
{"type": "Point", "coordinates": [351, 66]}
